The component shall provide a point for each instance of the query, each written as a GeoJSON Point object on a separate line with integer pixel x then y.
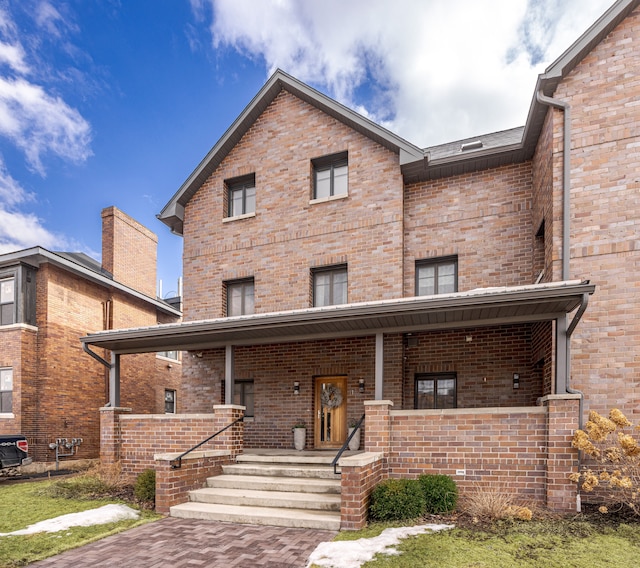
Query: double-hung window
{"type": "Point", "coordinates": [243, 395]}
{"type": "Point", "coordinates": [330, 286]}
{"type": "Point", "coordinates": [435, 391]}
{"type": "Point", "coordinates": [7, 301]}
{"type": "Point", "coordinates": [240, 297]}
{"type": "Point", "coordinates": [437, 276]}
{"type": "Point", "coordinates": [6, 390]}
{"type": "Point", "coordinates": [241, 196]}
{"type": "Point", "coordinates": [170, 401]}
{"type": "Point", "coordinates": [331, 176]}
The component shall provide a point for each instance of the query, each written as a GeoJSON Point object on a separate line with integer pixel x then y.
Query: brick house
{"type": "Point", "coordinates": [474, 299]}
{"type": "Point", "coordinates": [49, 388]}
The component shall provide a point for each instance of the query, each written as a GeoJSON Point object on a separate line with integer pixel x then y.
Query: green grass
{"type": "Point", "coordinates": [535, 544]}
{"type": "Point", "coordinates": [23, 504]}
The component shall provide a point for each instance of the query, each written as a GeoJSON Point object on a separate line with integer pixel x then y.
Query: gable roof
{"type": "Point", "coordinates": [173, 212]}
{"type": "Point", "coordinates": [499, 148]}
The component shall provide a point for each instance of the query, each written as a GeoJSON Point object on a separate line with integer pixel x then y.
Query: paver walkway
{"type": "Point", "coordinates": [179, 543]}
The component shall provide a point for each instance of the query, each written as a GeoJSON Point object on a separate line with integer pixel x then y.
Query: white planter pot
{"type": "Point", "coordinates": [354, 443]}
{"type": "Point", "coordinates": [299, 438]}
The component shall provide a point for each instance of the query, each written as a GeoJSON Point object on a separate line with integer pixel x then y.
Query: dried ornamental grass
{"type": "Point", "coordinates": [615, 475]}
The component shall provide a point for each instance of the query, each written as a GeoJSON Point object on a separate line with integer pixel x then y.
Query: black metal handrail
{"type": "Point", "coordinates": [334, 463]}
{"type": "Point", "coordinates": [177, 462]}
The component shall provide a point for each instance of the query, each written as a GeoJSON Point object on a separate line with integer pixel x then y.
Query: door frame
{"type": "Point", "coordinates": [338, 416]}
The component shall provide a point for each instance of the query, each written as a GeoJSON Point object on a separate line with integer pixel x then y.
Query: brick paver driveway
{"type": "Point", "coordinates": [190, 543]}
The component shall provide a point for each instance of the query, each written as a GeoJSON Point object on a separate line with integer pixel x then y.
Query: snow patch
{"type": "Point", "coordinates": [99, 516]}
{"type": "Point", "coordinates": [354, 553]}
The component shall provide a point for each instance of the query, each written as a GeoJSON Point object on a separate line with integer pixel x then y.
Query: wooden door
{"type": "Point", "coordinates": [330, 412]}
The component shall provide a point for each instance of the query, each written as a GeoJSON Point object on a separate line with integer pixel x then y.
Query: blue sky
{"type": "Point", "coordinates": [115, 102]}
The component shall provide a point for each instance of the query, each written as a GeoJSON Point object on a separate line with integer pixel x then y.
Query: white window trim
{"type": "Point", "coordinates": [329, 198]}
{"type": "Point", "coordinates": [4, 415]}
{"type": "Point", "coordinates": [239, 217]}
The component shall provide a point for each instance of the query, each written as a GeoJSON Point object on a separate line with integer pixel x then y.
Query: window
{"type": "Point", "coordinates": [438, 276]}
{"type": "Point", "coordinates": [330, 286]}
{"type": "Point", "coordinates": [241, 196]}
{"type": "Point", "coordinates": [330, 176]}
{"type": "Point", "coordinates": [240, 297]}
{"type": "Point", "coordinates": [243, 395]}
{"type": "Point", "coordinates": [7, 301]}
{"type": "Point", "coordinates": [6, 390]}
{"type": "Point", "coordinates": [169, 401]}
{"type": "Point", "coordinates": [435, 391]}
{"type": "Point", "coordinates": [168, 354]}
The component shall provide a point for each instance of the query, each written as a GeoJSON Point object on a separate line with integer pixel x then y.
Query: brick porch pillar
{"type": "Point", "coordinates": [562, 421]}
{"type": "Point", "coordinates": [232, 439]}
{"type": "Point", "coordinates": [110, 439]}
{"type": "Point", "coordinates": [377, 430]}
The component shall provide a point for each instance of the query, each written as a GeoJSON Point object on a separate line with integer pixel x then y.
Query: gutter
{"type": "Point", "coordinates": [570, 329]}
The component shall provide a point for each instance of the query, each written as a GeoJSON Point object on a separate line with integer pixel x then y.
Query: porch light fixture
{"type": "Point", "coordinates": [361, 385]}
{"type": "Point", "coordinates": [516, 381]}
{"type": "Point", "coordinates": [296, 388]}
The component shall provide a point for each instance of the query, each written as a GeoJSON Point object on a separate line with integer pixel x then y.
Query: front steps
{"type": "Point", "coordinates": [270, 488]}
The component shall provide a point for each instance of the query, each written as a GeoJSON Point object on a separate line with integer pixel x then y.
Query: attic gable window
{"type": "Point", "coordinates": [241, 196]}
{"type": "Point", "coordinates": [330, 176]}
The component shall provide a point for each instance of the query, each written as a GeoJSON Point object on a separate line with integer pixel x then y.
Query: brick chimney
{"type": "Point", "coordinates": [129, 251]}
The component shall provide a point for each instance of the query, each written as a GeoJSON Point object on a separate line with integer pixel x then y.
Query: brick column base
{"type": "Point", "coordinates": [232, 439]}
{"type": "Point", "coordinates": [377, 430]}
{"type": "Point", "coordinates": [360, 474]}
{"type": "Point", "coordinates": [562, 421]}
{"type": "Point", "coordinates": [110, 439]}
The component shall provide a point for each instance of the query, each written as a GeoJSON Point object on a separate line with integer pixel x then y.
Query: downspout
{"type": "Point", "coordinates": [99, 359]}
{"type": "Point", "coordinates": [566, 180]}
{"type": "Point", "coordinates": [570, 329]}
{"type": "Point", "coordinates": [566, 218]}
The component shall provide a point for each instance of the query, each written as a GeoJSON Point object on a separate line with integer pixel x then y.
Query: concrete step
{"type": "Point", "coordinates": [275, 483]}
{"type": "Point", "coordinates": [296, 518]}
{"type": "Point", "coordinates": [302, 457]}
{"type": "Point", "coordinates": [281, 470]}
{"type": "Point", "coordinates": [253, 498]}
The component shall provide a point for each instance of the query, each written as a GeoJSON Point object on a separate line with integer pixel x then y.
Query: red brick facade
{"type": "Point", "coordinates": [58, 388]}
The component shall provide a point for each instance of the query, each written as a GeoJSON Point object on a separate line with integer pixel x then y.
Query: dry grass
{"type": "Point", "coordinates": [489, 504]}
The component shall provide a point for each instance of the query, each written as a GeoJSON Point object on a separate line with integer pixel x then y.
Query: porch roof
{"type": "Point", "coordinates": [479, 307]}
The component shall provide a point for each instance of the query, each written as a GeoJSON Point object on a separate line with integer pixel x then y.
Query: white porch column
{"type": "Point", "coordinates": [379, 365]}
{"type": "Point", "coordinates": [114, 380]}
{"type": "Point", "coordinates": [228, 374]}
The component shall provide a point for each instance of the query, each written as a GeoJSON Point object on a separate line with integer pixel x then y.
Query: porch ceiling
{"type": "Point", "coordinates": [481, 307]}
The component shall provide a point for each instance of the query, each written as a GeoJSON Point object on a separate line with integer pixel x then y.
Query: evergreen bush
{"type": "Point", "coordinates": [145, 487]}
{"type": "Point", "coordinates": [440, 493]}
{"type": "Point", "coordinates": [396, 500]}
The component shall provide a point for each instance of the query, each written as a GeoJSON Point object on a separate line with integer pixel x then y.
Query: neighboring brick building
{"type": "Point", "coordinates": [328, 260]}
{"type": "Point", "coordinates": [51, 389]}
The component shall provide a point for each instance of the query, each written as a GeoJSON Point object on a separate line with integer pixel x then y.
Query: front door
{"type": "Point", "coordinates": [331, 412]}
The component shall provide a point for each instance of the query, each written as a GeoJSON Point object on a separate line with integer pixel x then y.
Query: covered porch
{"type": "Point", "coordinates": [490, 347]}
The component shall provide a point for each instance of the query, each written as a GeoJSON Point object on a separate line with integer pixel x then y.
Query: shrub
{"type": "Point", "coordinates": [98, 481]}
{"type": "Point", "coordinates": [397, 499]}
{"type": "Point", "coordinates": [145, 487]}
{"type": "Point", "coordinates": [616, 457]}
{"type": "Point", "coordinates": [490, 503]}
{"type": "Point", "coordinates": [440, 493]}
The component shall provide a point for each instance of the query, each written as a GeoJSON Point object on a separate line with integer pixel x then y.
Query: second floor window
{"type": "Point", "coordinates": [241, 196]}
{"type": "Point", "coordinates": [330, 286]}
{"type": "Point", "coordinates": [330, 176]}
{"type": "Point", "coordinates": [240, 297]}
{"type": "Point", "coordinates": [168, 354]}
{"type": "Point", "coordinates": [7, 301]}
{"type": "Point", "coordinates": [437, 276]}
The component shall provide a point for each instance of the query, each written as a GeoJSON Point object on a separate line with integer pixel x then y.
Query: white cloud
{"type": "Point", "coordinates": [440, 70]}
{"type": "Point", "coordinates": [37, 122]}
